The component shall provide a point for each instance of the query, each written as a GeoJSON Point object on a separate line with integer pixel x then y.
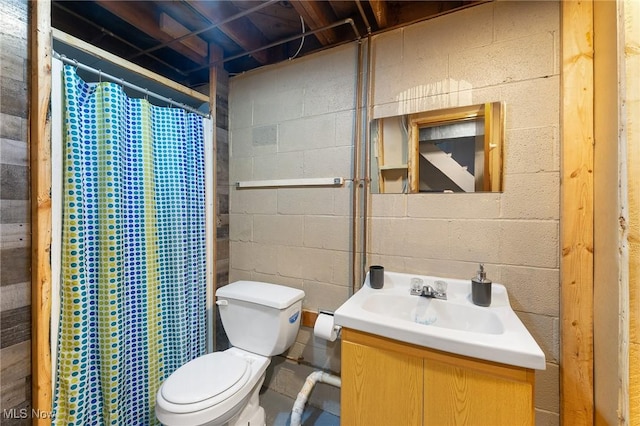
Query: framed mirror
{"type": "Point", "coordinates": [450, 150]}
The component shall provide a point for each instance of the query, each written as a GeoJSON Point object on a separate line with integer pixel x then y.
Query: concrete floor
{"type": "Point", "coordinates": [278, 411]}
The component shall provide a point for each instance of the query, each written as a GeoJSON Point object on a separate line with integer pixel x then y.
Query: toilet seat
{"type": "Point", "coordinates": [204, 382]}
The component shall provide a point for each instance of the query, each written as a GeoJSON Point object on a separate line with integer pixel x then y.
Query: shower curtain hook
{"type": "Point", "coordinates": [99, 76]}
{"type": "Point", "coordinates": [75, 62]}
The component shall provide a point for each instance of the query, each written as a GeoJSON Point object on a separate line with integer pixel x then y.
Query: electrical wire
{"type": "Point", "coordinates": [301, 41]}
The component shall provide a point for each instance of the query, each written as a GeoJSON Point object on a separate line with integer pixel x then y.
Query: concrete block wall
{"type": "Point", "coordinates": [15, 230]}
{"type": "Point", "coordinates": [222, 176]}
{"type": "Point", "coordinates": [297, 120]}
{"type": "Point", "coordinates": [502, 51]}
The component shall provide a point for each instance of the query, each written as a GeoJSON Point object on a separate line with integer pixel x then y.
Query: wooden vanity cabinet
{"type": "Point", "coordinates": [386, 382]}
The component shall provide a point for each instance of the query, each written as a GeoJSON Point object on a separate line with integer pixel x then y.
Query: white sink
{"type": "Point", "coordinates": [438, 313]}
{"type": "Point", "coordinates": [455, 325]}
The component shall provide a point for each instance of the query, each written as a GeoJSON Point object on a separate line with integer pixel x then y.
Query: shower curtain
{"type": "Point", "coordinates": [133, 288]}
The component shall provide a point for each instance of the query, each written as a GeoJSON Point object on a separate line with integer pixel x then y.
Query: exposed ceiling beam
{"type": "Point", "coordinates": [263, 29]}
{"type": "Point", "coordinates": [144, 16]}
{"type": "Point", "coordinates": [380, 11]}
{"type": "Point", "coordinates": [175, 29]}
{"type": "Point", "coordinates": [241, 31]}
{"type": "Point", "coordinates": [67, 20]}
{"type": "Point", "coordinates": [318, 14]}
{"type": "Point", "coordinates": [407, 12]}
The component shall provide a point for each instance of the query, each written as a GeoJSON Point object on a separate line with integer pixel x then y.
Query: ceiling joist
{"type": "Point", "coordinates": [175, 30]}
{"type": "Point", "coordinates": [173, 37]}
{"type": "Point", "coordinates": [380, 11]}
{"type": "Point", "coordinates": [145, 17]}
{"type": "Point", "coordinates": [318, 14]}
{"type": "Point", "coordinates": [241, 31]}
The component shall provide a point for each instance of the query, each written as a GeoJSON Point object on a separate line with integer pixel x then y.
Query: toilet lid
{"type": "Point", "coordinates": [203, 378]}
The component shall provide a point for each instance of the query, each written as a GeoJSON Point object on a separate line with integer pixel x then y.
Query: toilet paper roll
{"type": "Point", "coordinates": [325, 328]}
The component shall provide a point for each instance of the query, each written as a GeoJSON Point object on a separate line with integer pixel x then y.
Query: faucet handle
{"type": "Point", "coordinates": [441, 286]}
{"type": "Point", "coordinates": [416, 285]}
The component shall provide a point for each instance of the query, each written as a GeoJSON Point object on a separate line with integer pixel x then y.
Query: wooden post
{"type": "Point", "coordinates": [632, 125]}
{"type": "Point", "coordinates": [40, 160]}
{"type": "Point", "coordinates": [413, 160]}
{"type": "Point", "coordinates": [215, 56]}
{"type": "Point", "coordinates": [576, 262]}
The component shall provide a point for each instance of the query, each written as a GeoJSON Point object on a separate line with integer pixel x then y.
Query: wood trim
{"type": "Point", "coordinates": [109, 57]}
{"type": "Point", "coordinates": [447, 115]}
{"type": "Point", "coordinates": [40, 161]}
{"type": "Point", "coordinates": [577, 215]}
{"type": "Point", "coordinates": [308, 318]}
{"type": "Point", "coordinates": [488, 137]}
{"type": "Point", "coordinates": [510, 372]}
{"type": "Point", "coordinates": [496, 154]}
{"type": "Point", "coordinates": [413, 160]}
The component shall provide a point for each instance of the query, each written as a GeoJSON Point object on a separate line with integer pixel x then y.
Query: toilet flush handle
{"type": "Point", "coordinates": [222, 302]}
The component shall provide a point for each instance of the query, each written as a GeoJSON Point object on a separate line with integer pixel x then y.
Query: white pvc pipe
{"type": "Point", "coordinates": [303, 395]}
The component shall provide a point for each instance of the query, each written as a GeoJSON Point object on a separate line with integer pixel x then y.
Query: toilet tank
{"type": "Point", "coordinates": [259, 317]}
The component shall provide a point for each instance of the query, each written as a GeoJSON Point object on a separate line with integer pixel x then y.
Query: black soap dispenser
{"type": "Point", "coordinates": [481, 288]}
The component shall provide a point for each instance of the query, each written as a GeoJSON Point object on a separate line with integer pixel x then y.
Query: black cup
{"type": "Point", "coordinates": [376, 276]}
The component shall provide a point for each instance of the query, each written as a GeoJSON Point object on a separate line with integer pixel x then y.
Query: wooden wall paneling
{"type": "Point", "coordinates": [576, 261]}
{"type": "Point", "coordinates": [40, 149]}
{"type": "Point", "coordinates": [15, 231]}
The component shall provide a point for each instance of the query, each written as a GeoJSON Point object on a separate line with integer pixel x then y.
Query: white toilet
{"type": "Point", "coordinates": [220, 388]}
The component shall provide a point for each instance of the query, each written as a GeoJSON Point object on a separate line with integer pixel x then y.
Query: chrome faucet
{"type": "Point", "coordinates": [439, 292]}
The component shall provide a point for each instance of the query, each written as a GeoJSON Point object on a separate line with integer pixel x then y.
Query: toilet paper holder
{"type": "Point", "coordinates": [325, 330]}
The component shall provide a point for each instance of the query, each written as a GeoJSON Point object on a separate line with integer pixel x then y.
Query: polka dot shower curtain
{"type": "Point", "coordinates": [133, 299]}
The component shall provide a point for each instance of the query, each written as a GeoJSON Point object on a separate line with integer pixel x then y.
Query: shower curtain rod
{"type": "Point", "coordinates": [122, 82]}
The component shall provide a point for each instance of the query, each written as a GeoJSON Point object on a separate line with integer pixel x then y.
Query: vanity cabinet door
{"type": "Point", "coordinates": [462, 392]}
{"type": "Point", "coordinates": [380, 387]}
{"type": "Point", "coordinates": [390, 383]}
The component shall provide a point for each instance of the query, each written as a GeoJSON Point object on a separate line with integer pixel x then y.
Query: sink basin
{"type": "Point", "coordinates": [455, 325]}
{"type": "Point", "coordinates": [434, 312]}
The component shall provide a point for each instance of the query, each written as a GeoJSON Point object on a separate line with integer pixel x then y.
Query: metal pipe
{"type": "Point", "coordinates": [295, 37]}
{"type": "Point", "coordinates": [122, 82]}
{"type": "Point", "coordinates": [279, 42]}
{"type": "Point", "coordinates": [209, 28]}
{"type": "Point", "coordinates": [364, 16]}
{"type": "Point", "coordinates": [355, 205]}
{"type": "Point", "coordinates": [367, 157]}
